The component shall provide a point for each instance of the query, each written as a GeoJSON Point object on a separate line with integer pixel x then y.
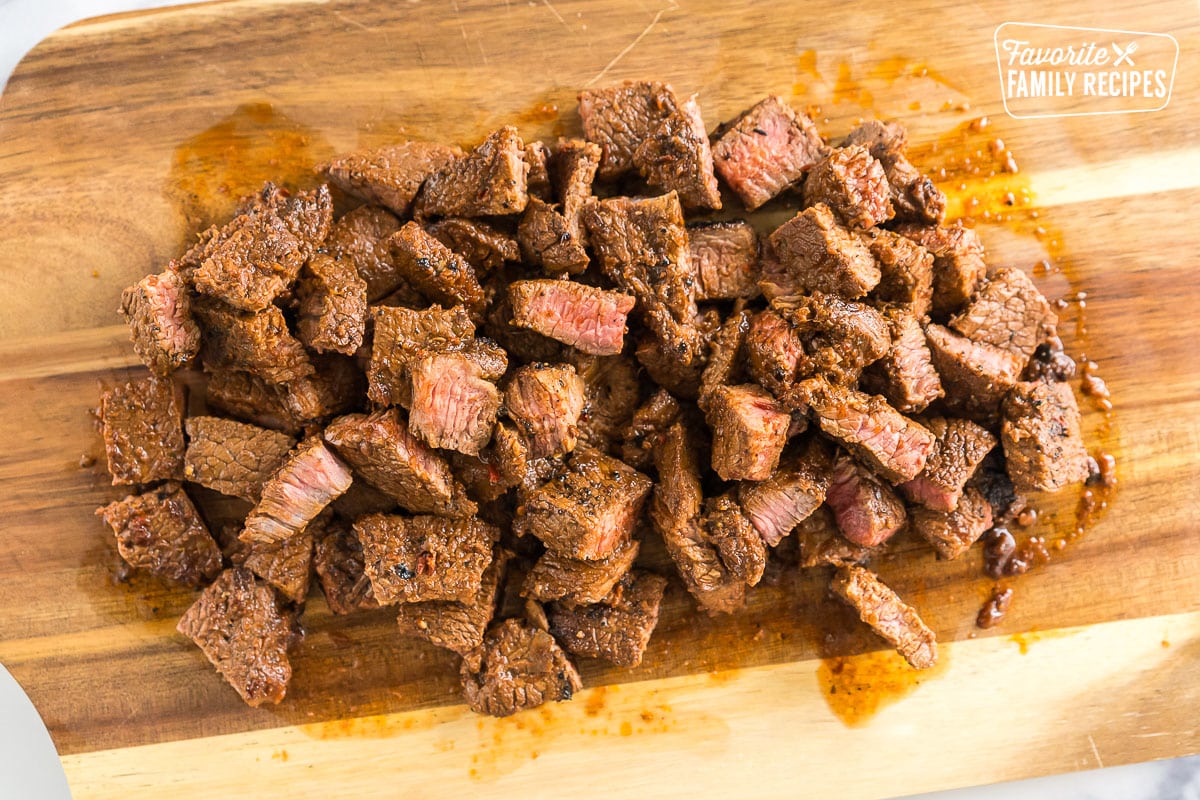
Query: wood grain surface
{"type": "Point", "coordinates": [120, 137]}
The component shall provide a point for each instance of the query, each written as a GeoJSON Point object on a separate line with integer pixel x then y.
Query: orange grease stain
{"type": "Point", "coordinates": [856, 687]}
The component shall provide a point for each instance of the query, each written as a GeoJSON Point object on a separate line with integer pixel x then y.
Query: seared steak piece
{"type": "Point", "coordinates": [231, 457]}
{"type": "Point", "coordinates": [766, 150]}
{"type": "Point", "coordinates": [159, 312]}
{"type": "Point", "coordinates": [724, 366]}
{"type": "Point", "coordinates": [641, 245]}
{"type": "Point", "coordinates": [333, 305]}
{"type": "Point", "coordinates": [338, 561]}
{"type": "Point", "coordinates": [749, 431]}
{"type": "Point", "coordinates": [905, 268]}
{"type": "Point", "coordinates": [1008, 312]}
{"type": "Point", "coordinates": [360, 237]}
{"type": "Point", "coordinates": [841, 337]}
{"type": "Point", "coordinates": [617, 628]}
{"type": "Point", "coordinates": [1041, 437]}
{"type": "Point", "coordinates": [647, 429]}
{"type": "Point", "coordinates": [887, 614]}
{"type": "Point", "coordinates": [891, 443]}
{"type": "Point", "coordinates": [795, 490]}
{"type": "Point", "coordinates": [851, 182]}
{"type": "Point", "coordinates": [742, 549]}
{"type": "Point", "coordinates": [250, 262]}
{"type": "Point", "coordinates": [612, 392]}
{"type": "Point", "coordinates": [456, 626]}
{"type": "Point", "coordinates": [258, 343]}
{"type": "Point", "coordinates": [143, 431]}
{"type": "Point", "coordinates": [953, 532]}
{"type": "Point", "coordinates": [285, 565]}
{"type": "Point", "coordinates": [589, 510]}
{"type": "Point", "coordinates": [590, 319]}
{"type": "Point", "coordinates": [822, 255]}
{"type": "Point", "coordinates": [676, 156]}
{"type": "Point", "coordinates": [905, 375]}
{"type": "Point", "coordinates": [665, 370]}
{"type": "Point", "coordinates": [914, 196]}
{"type": "Point", "coordinates": [822, 544]}
{"type": "Point", "coordinates": [307, 215]}
{"type": "Point", "coordinates": [435, 270]}
{"type": "Point", "coordinates": [490, 180]}
{"type": "Point", "coordinates": [389, 176]}
{"type": "Point", "coordinates": [961, 446]}
{"type": "Point", "coordinates": [724, 257]}
{"type": "Point", "coordinates": [161, 532]}
{"type": "Point", "coordinates": [485, 248]}
{"type": "Point", "coordinates": [336, 385]}
{"type": "Point", "coordinates": [976, 376]}
{"type": "Point", "coordinates": [868, 512]}
{"type": "Point", "coordinates": [619, 118]}
{"type": "Point", "coordinates": [453, 406]}
{"type": "Point", "coordinates": [308, 480]}
{"type": "Point", "coordinates": [236, 622]}
{"type": "Point", "coordinates": [249, 397]}
{"type": "Point", "coordinates": [577, 582]}
{"type": "Point", "coordinates": [774, 352]}
{"type": "Point", "coordinates": [537, 173]}
{"type": "Point", "coordinates": [958, 264]}
{"type": "Point", "coordinates": [573, 166]}
{"type": "Point", "coordinates": [517, 667]}
{"type": "Point", "coordinates": [675, 512]}
{"type": "Point", "coordinates": [381, 449]}
{"type": "Point", "coordinates": [548, 240]}
{"type": "Point", "coordinates": [416, 559]}
{"type": "Point", "coordinates": [544, 401]}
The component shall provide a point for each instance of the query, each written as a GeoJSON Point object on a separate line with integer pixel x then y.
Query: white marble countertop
{"type": "Point", "coordinates": [23, 23]}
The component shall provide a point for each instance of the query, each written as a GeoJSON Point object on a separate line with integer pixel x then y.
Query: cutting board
{"type": "Point", "coordinates": [121, 137]}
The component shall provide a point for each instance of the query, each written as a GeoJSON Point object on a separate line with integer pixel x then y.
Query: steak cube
{"type": "Point", "coordinates": [905, 375]}
{"type": "Point", "coordinates": [958, 263]}
{"type": "Point", "coordinates": [402, 337]}
{"type": "Point", "coordinates": [821, 255]}
{"type": "Point", "coordinates": [852, 183]}
{"type": "Point", "coordinates": [868, 512]}
{"type": "Point", "coordinates": [490, 180]}
{"type": "Point", "coordinates": [389, 176]}
{"type": "Point", "coordinates": [333, 306]}
{"type": "Point", "coordinates": [796, 489]}
{"type": "Point", "coordinates": [453, 407]}
{"type": "Point", "coordinates": [841, 337]}
{"type": "Point", "coordinates": [589, 510]}
{"type": "Point", "coordinates": [676, 156]}
{"type": "Point", "coordinates": [742, 549]}
{"type": "Point", "coordinates": [236, 622]}
{"type": "Point", "coordinates": [435, 270]}
{"type": "Point", "coordinates": [617, 628]}
{"type": "Point", "coordinates": [1008, 312]}
{"type": "Point", "coordinates": [307, 215]}
{"type": "Point", "coordinates": [1041, 437]}
{"type": "Point", "coordinates": [231, 457]}
{"type": "Point", "coordinates": [749, 429]}
{"type": "Point", "coordinates": [619, 118]}
{"type": "Point", "coordinates": [338, 561]}
{"type": "Point", "coordinates": [590, 319]}
{"type": "Point", "coordinates": [248, 397]}
{"type": "Point", "coordinates": [905, 268]}
{"type": "Point", "coordinates": [976, 376]}
{"type": "Point", "coordinates": [545, 401]}
{"type": "Point", "coordinates": [250, 262]}
{"type": "Point", "coordinates": [725, 356]}
{"type": "Point", "coordinates": [485, 248]}
{"type": "Point", "coordinates": [774, 352]}
{"type": "Point", "coordinates": [648, 427]}
{"type": "Point", "coordinates": [158, 309]}
{"type": "Point", "coordinates": [961, 447]}
{"type": "Point", "coordinates": [882, 609]}
{"type": "Point", "coordinates": [258, 343]}
{"type": "Point", "coordinates": [613, 390]}
{"type": "Point", "coordinates": [766, 150]}
{"type": "Point", "coordinates": [953, 532]}
{"type": "Point", "coordinates": [724, 257]}
{"type": "Point", "coordinates": [681, 380]}
{"type": "Point", "coordinates": [573, 166]}
{"type": "Point", "coordinates": [336, 385]}
{"type": "Point", "coordinates": [574, 581]}
{"type": "Point", "coordinates": [548, 241]}
{"type": "Point", "coordinates": [143, 431]}
{"type": "Point", "coordinates": [416, 559]}
{"type": "Point", "coordinates": [285, 565]}
{"type": "Point", "coordinates": [161, 532]}
{"type": "Point", "coordinates": [537, 177]}
{"type": "Point", "coordinates": [458, 627]}
{"type": "Point", "coordinates": [913, 195]}
{"type": "Point", "coordinates": [308, 480]}
{"type": "Point", "coordinates": [517, 667]}
{"type": "Point", "coordinates": [822, 544]}
{"type": "Point", "coordinates": [360, 237]}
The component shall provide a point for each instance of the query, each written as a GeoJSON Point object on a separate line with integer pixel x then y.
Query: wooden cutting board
{"type": "Point", "coordinates": [120, 137]}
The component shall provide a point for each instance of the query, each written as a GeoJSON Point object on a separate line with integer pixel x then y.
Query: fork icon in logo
{"type": "Point", "coordinates": [1124, 55]}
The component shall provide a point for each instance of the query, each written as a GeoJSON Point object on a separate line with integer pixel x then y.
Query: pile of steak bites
{"type": "Point", "coordinates": [523, 360]}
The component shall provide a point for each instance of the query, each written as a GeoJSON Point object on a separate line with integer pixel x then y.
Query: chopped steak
{"type": "Point", "coordinates": [485, 248]}
{"type": "Point", "coordinates": [308, 480]}
{"type": "Point", "coordinates": [742, 549]}
{"type": "Point", "coordinates": [537, 175]}
{"type": "Point", "coordinates": [143, 431]}
{"type": "Point", "coordinates": [577, 582]}
{"type": "Point", "coordinates": [612, 393]}
{"type": "Point", "coordinates": [589, 509]}
{"type": "Point", "coordinates": [548, 241]}
{"type": "Point", "coordinates": [724, 366]}
{"type": "Point", "coordinates": [617, 628]}
{"type": "Point", "coordinates": [619, 118]}
{"type": "Point", "coordinates": [675, 513]}
{"type": "Point", "coordinates": [237, 623]}
{"type": "Point", "coordinates": [953, 532]}
{"type": "Point", "coordinates": [884, 140]}
{"type": "Point", "coordinates": [453, 406]}
{"type": "Point", "coordinates": [648, 427]}
{"type": "Point", "coordinates": [231, 457]}
{"type": "Point", "coordinates": [590, 319]}
{"type": "Point", "coordinates": [249, 397]}
{"type": "Point", "coordinates": [774, 352]}
{"type": "Point", "coordinates": [913, 195]}
{"type": "Point", "coordinates": [285, 565]}
{"type": "Point", "coordinates": [307, 215]}
{"type": "Point", "coordinates": [905, 268]}
{"type": "Point", "coordinates": [781, 502]}
{"type": "Point", "coordinates": [416, 559]}
{"type": "Point", "coordinates": [976, 376]}
{"type": "Point", "coordinates": [766, 150]}
{"type": "Point", "coordinates": [336, 385]}
{"type": "Point", "coordinates": [456, 626]}
{"type": "Point", "coordinates": [868, 512]}
{"type": "Point", "coordinates": [887, 614]}
{"type": "Point", "coordinates": [822, 255]}
{"type": "Point", "coordinates": [517, 667]}
{"type": "Point", "coordinates": [905, 375]}
{"type": "Point", "coordinates": [724, 257]}
{"type": "Point", "coordinates": [852, 183]}
{"type": "Point", "coordinates": [840, 337]}
{"type": "Point", "coordinates": [1008, 312]}
{"type": "Point", "coordinates": [360, 237]}
{"type": "Point", "coordinates": [822, 544]}
{"type": "Point", "coordinates": [1041, 437]}
{"type": "Point", "coordinates": [961, 446]}
{"type": "Point", "coordinates": [338, 561]}
{"type": "Point", "coordinates": [545, 401]}
{"type": "Point", "coordinates": [676, 156]}
{"type": "Point", "coordinates": [161, 532]}
{"type": "Point", "coordinates": [573, 167]}
{"type": "Point", "coordinates": [380, 448]}
{"type": "Point", "coordinates": [435, 270]}
{"type": "Point", "coordinates": [258, 343]}
{"type": "Point", "coordinates": [775, 280]}
{"type": "Point", "coordinates": [404, 336]}
{"type": "Point", "coordinates": [665, 370]}
{"type": "Point", "coordinates": [641, 245]}
{"type": "Point", "coordinates": [333, 305]}
{"type": "Point", "coordinates": [159, 312]}
{"type": "Point", "coordinates": [490, 180]}
{"type": "Point", "coordinates": [250, 262]}
{"type": "Point", "coordinates": [749, 431]}
{"type": "Point", "coordinates": [874, 431]}
{"type": "Point", "coordinates": [389, 176]}
{"type": "Point", "coordinates": [522, 344]}
{"type": "Point", "coordinates": [958, 264]}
